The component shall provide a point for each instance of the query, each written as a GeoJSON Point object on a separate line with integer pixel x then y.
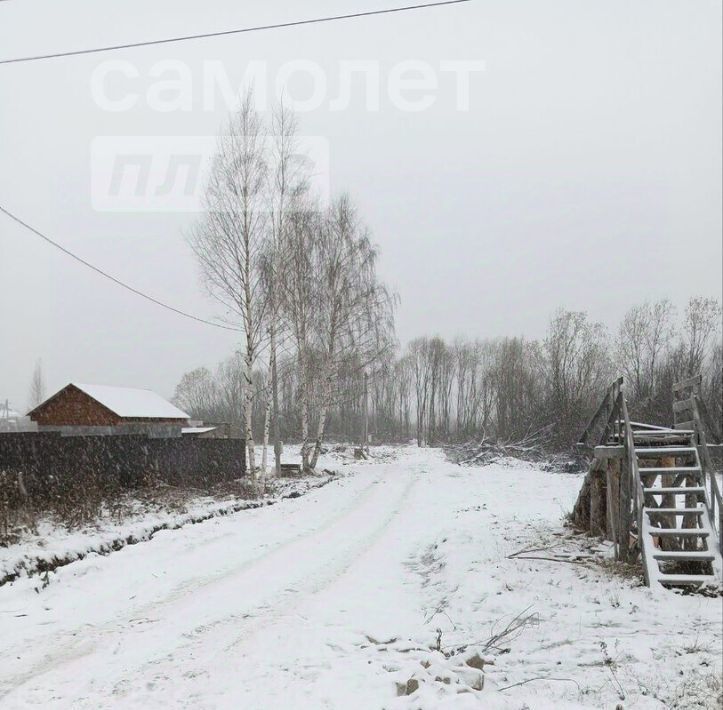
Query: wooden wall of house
{"type": "Point", "coordinates": [73, 407]}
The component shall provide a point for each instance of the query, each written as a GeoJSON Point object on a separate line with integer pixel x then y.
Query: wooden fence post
{"type": "Point", "coordinates": [624, 516]}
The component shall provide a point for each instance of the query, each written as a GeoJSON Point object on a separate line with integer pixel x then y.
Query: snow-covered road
{"type": "Point", "coordinates": [331, 599]}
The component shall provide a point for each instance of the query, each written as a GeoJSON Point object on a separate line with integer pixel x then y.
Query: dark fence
{"type": "Point", "coordinates": [50, 463]}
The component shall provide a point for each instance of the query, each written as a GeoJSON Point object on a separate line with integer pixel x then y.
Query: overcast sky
{"type": "Point", "coordinates": [585, 174]}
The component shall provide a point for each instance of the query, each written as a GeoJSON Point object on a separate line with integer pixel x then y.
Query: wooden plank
{"type": "Point", "coordinates": [609, 452]}
{"type": "Point", "coordinates": [628, 479]}
{"type": "Point", "coordinates": [693, 381]}
{"type": "Point", "coordinates": [593, 419]}
{"type": "Point", "coordinates": [609, 400]}
{"type": "Point", "coordinates": [649, 427]}
{"type": "Point", "coordinates": [682, 405]}
{"type": "Point", "coordinates": [686, 426]}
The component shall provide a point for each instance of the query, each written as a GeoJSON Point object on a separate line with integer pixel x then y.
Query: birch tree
{"type": "Point", "coordinates": [287, 183]}
{"type": "Point", "coordinates": [298, 301]}
{"type": "Point", "coordinates": [354, 310]}
{"type": "Point", "coordinates": [230, 240]}
{"type": "Point", "coordinates": [420, 359]}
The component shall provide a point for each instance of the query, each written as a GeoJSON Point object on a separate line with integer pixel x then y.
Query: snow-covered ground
{"type": "Point", "coordinates": [340, 598]}
{"type": "Point", "coordinates": [134, 519]}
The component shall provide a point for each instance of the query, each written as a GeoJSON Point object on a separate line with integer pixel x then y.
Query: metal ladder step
{"type": "Point", "coordinates": [686, 579]}
{"type": "Point", "coordinates": [674, 491]}
{"type": "Point", "coordinates": [677, 469]}
{"type": "Point", "coordinates": [678, 532]}
{"type": "Point", "coordinates": [647, 452]}
{"type": "Point", "coordinates": [693, 555]}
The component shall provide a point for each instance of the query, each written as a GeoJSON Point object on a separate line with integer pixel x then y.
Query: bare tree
{"type": "Point", "coordinates": [644, 333]}
{"type": "Point", "coordinates": [354, 310]}
{"type": "Point", "coordinates": [196, 394]}
{"type": "Point", "coordinates": [287, 182]}
{"type": "Point", "coordinates": [701, 323]}
{"type": "Point", "coordinates": [230, 241]}
{"type": "Point", "coordinates": [297, 300]}
{"type": "Point", "coordinates": [420, 353]}
{"type": "Point", "coordinates": [230, 391]}
{"type": "Point", "coordinates": [518, 380]}
{"type": "Point", "coordinates": [577, 368]}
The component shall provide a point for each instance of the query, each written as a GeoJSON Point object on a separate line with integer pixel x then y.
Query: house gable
{"type": "Point", "coordinates": [73, 407]}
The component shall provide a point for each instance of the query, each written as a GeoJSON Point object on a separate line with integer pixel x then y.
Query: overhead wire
{"type": "Point", "coordinates": [110, 277]}
{"type": "Point", "coordinates": [224, 33]}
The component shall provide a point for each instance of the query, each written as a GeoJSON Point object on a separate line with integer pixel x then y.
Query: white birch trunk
{"type": "Point", "coordinates": [304, 405]}
{"type": "Point", "coordinates": [267, 428]}
{"type": "Point", "coordinates": [275, 400]}
{"type": "Point", "coordinates": [323, 415]}
{"type": "Point", "coordinates": [248, 397]}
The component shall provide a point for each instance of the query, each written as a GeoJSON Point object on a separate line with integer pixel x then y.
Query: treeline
{"type": "Point", "coordinates": [317, 356]}
{"type": "Point", "coordinates": [505, 389]}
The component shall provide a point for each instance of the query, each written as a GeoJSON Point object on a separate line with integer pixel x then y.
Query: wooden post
{"type": "Point", "coordinates": [668, 500]}
{"type": "Point", "coordinates": [597, 504]}
{"type": "Point", "coordinates": [613, 502]}
{"type": "Point", "coordinates": [624, 516]}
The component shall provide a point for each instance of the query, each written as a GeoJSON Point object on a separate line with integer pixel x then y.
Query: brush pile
{"type": "Point", "coordinates": [530, 448]}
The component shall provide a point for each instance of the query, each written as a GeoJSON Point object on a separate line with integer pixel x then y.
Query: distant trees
{"type": "Point", "coordinates": [505, 388]}
{"type": "Point", "coordinates": [643, 335]}
{"type": "Point", "coordinates": [318, 354]}
{"type": "Point", "coordinates": [576, 369]}
{"type": "Point", "coordinates": [214, 396]}
{"type": "Point", "coordinates": [37, 386]}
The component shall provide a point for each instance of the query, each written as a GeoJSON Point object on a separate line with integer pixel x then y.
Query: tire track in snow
{"type": "Point", "coordinates": [209, 643]}
{"type": "Point", "coordinates": [84, 644]}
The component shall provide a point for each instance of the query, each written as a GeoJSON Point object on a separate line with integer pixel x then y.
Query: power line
{"type": "Point", "coordinates": [110, 277]}
{"type": "Point", "coordinates": [242, 30]}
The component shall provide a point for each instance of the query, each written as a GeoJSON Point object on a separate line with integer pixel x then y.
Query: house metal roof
{"type": "Point", "coordinates": [131, 403]}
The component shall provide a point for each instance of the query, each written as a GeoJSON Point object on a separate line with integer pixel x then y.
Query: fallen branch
{"type": "Point", "coordinates": [533, 549]}
{"type": "Point", "coordinates": [509, 633]}
{"type": "Point", "coordinates": [530, 680]}
{"type": "Point", "coordinates": [547, 559]}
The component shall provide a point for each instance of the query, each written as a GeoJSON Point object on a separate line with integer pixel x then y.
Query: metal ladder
{"type": "Point", "coordinates": [678, 540]}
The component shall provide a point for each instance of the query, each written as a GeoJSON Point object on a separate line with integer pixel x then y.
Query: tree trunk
{"type": "Point", "coordinates": [365, 430]}
{"type": "Point", "coordinates": [304, 407]}
{"type": "Point", "coordinates": [275, 402]}
{"type": "Point", "coordinates": [248, 397]}
{"type": "Point", "coordinates": [319, 438]}
{"type": "Point", "coordinates": [325, 406]}
{"type": "Point", "coordinates": [264, 450]}
{"type": "Point", "coordinates": [323, 416]}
